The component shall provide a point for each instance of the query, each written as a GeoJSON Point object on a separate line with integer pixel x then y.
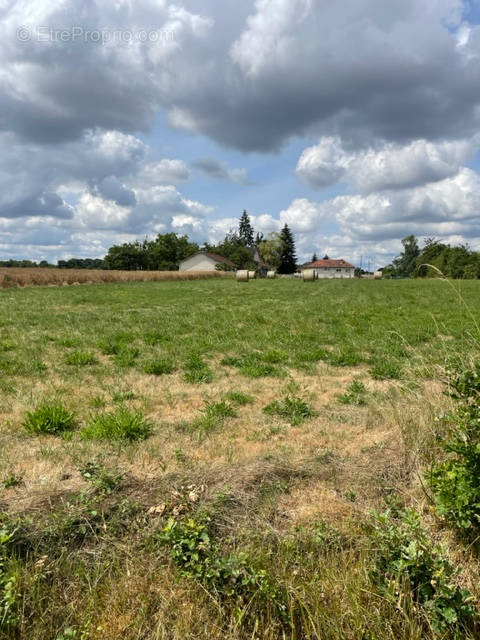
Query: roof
{"type": "Point", "coordinates": [329, 264]}
{"type": "Point", "coordinates": [213, 256]}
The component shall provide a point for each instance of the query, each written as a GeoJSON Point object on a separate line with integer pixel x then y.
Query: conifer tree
{"type": "Point", "coordinates": [314, 257]}
{"type": "Point", "coordinates": [288, 262]}
{"type": "Point", "coordinates": [245, 230]}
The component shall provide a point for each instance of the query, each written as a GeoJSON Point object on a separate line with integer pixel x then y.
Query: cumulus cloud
{"type": "Point", "coordinates": [220, 171]}
{"type": "Point", "coordinates": [304, 216]}
{"type": "Point", "coordinates": [165, 171]}
{"type": "Point", "coordinates": [388, 166]}
{"type": "Point", "coordinates": [390, 90]}
{"type": "Point", "coordinates": [249, 75]}
{"type": "Point", "coordinates": [442, 208]}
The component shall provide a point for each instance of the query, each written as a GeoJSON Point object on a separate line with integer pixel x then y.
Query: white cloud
{"type": "Point", "coordinates": [389, 166]}
{"type": "Point", "coordinates": [304, 216]}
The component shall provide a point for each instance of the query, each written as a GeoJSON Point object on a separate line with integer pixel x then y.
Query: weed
{"type": "Point", "coordinates": [49, 419]}
{"type": "Point", "coordinates": [292, 408]}
{"type": "Point", "coordinates": [405, 556]}
{"type": "Point", "coordinates": [238, 398]}
{"type": "Point", "coordinates": [105, 480]}
{"type": "Point", "coordinates": [8, 582]}
{"type": "Point", "coordinates": [455, 481]}
{"type": "Point", "coordinates": [12, 480]}
{"type": "Point", "coordinates": [386, 370]}
{"type": "Point", "coordinates": [80, 358]}
{"type": "Point", "coordinates": [122, 396]}
{"type": "Point", "coordinates": [121, 424]}
{"type": "Point", "coordinates": [355, 394]}
{"type": "Point", "coordinates": [159, 367]}
{"type": "Point", "coordinates": [126, 357]}
{"type": "Point", "coordinates": [232, 577]}
{"type": "Point", "coordinates": [97, 402]}
{"type": "Point", "coordinates": [156, 337]}
{"type": "Point", "coordinates": [344, 358]}
{"type": "Point", "coordinates": [213, 416]}
{"type": "Point", "coordinates": [196, 370]}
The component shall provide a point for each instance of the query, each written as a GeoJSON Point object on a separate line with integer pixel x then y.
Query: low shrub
{"type": "Point", "coordinates": [49, 419]}
{"type": "Point", "coordinates": [232, 577]}
{"type": "Point", "coordinates": [406, 558]}
{"type": "Point", "coordinates": [455, 480]}
{"type": "Point", "coordinates": [8, 583]}
{"type": "Point", "coordinates": [293, 409]}
{"type": "Point", "coordinates": [121, 424]}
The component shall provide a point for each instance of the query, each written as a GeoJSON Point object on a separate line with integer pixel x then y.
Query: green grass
{"type": "Point", "coordinates": [80, 358]}
{"type": "Point", "coordinates": [121, 424]}
{"type": "Point", "coordinates": [159, 367]}
{"type": "Point", "coordinates": [49, 419]}
{"type": "Point", "coordinates": [295, 410]}
{"type": "Point", "coordinates": [80, 515]}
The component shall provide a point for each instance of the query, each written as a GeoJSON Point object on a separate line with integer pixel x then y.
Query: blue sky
{"type": "Point", "coordinates": [355, 123]}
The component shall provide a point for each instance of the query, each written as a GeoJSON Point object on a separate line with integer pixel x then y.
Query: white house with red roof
{"type": "Point", "coordinates": [328, 268]}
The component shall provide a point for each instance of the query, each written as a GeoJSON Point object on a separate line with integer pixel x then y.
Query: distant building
{"type": "Point", "coordinates": [328, 268]}
{"type": "Point", "coordinates": [204, 261]}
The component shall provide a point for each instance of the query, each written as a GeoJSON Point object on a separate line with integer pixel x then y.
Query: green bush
{"type": "Point", "coordinates": [406, 558]}
{"type": "Point", "coordinates": [8, 583]}
{"type": "Point", "coordinates": [293, 409]}
{"type": "Point", "coordinates": [231, 577]}
{"type": "Point", "coordinates": [121, 424]}
{"type": "Point", "coordinates": [50, 419]}
{"type": "Point", "coordinates": [455, 480]}
{"type": "Point", "coordinates": [80, 358]}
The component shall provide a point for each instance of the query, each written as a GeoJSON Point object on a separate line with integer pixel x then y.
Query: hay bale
{"type": "Point", "coordinates": [271, 274]}
{"type": "Point", "coordinates": [252, 275]}
{"type": "Point", "coordinates": [242, 275]}
{"type": "Point", "coordinates": [309, 275]}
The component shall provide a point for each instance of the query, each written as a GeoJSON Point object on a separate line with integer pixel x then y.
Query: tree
{"type": "Point", "coordinates": [167, 251]}
{"type": "Point", "coordinates": [288, 259]}
{"type": "Point", "coordinates": [314, 258]}
{"type": "Point", "coordinates": [129, 257]}
{"type": "Point", "coordinates": [325, 257]}
{"type": "Point", "coordinates": [270, 249]}
{"type": "Point", "coordinates": [245, 230]}
{"type": "Point", "coordinates": [233, 248]}
{"type": "Point", "coordinates": [406, 262]}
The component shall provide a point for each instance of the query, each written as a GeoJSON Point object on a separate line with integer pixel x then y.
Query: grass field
{"type": "Point", "coordinates": [200, 459]}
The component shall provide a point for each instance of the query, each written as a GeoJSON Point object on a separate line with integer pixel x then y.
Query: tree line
{"type": "Point", "coordinates": [164, 253]}
{"type": "Point", "coordinates": [415, 262]}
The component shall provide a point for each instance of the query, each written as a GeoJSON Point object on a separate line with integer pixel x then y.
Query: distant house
{"type": "Point", "coordinates": [204, 261]}
{"type": "Point", "coordinates": [328, 268]}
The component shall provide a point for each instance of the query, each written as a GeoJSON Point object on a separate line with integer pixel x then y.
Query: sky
{"type": "Point", "coordinates": [356, 123]}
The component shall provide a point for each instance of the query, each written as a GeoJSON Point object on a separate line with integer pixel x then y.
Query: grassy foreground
{"type": "Point", "coordinates": [200, 459]}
